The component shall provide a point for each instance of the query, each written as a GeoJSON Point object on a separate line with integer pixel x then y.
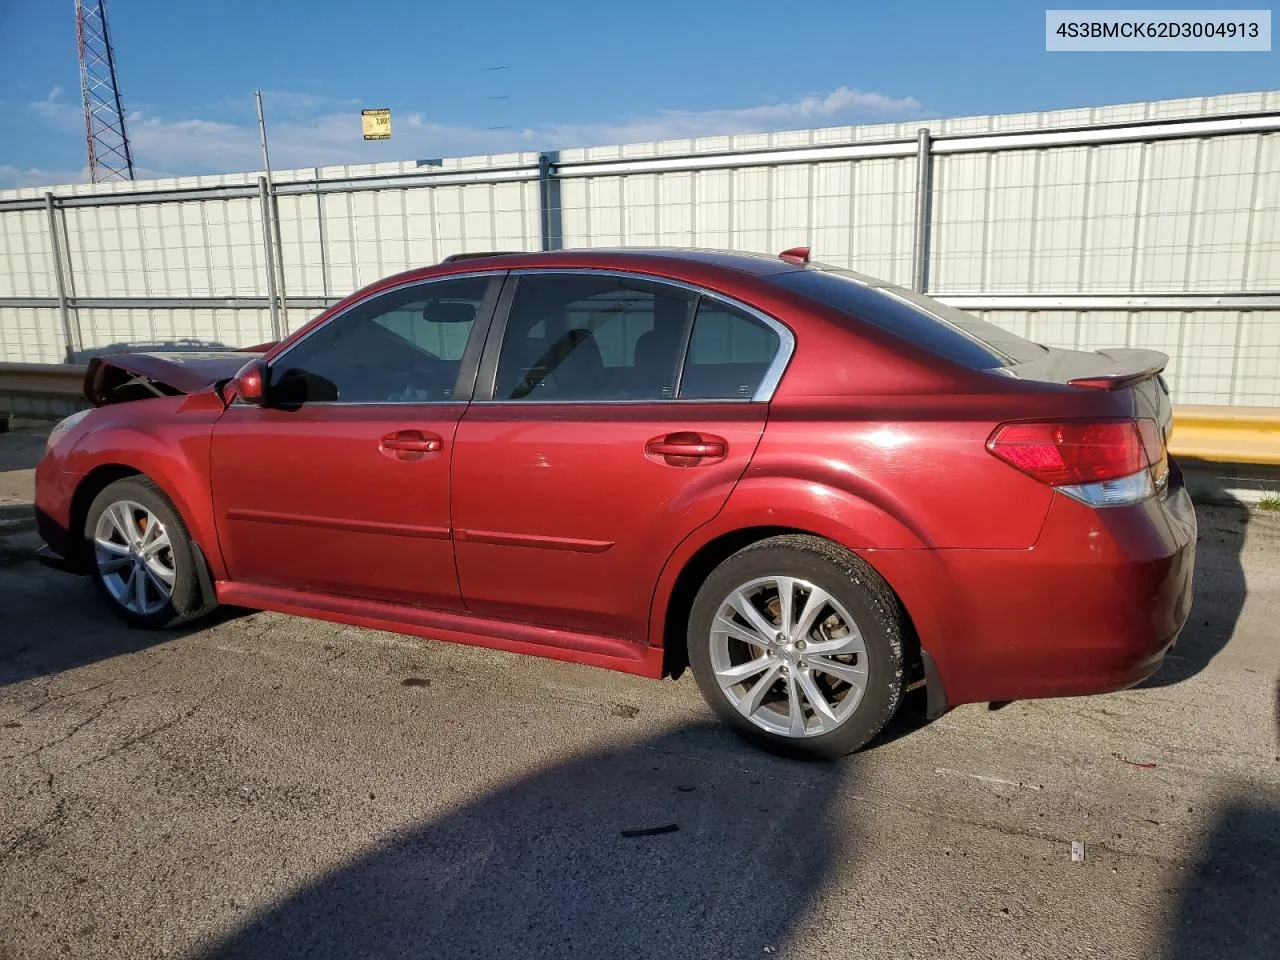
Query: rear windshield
{"type": "Point", "coordinates": [954, 334]}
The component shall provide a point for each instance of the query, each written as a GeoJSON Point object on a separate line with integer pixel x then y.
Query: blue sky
{"type": "Point", "coordinates": [577, 72]}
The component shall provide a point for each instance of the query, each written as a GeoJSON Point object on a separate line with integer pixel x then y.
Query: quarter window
{"type": "Point", "coordinates": [729, 355]}
{"type": "Point", "coordinates": [404, 346]}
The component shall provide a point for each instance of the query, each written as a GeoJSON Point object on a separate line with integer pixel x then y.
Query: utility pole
{"type": "Point", "coordinates": [274, 216]}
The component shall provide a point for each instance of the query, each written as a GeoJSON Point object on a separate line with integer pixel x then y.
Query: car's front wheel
{"type": "Point", "coordinates": [797, 643]}
{"type": "Point", "coordinates": [144, 564]}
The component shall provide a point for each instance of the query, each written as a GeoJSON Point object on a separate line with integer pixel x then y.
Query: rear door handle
{"type": "Point", "coordinates": [686, 449]}
{"type": "Point", "coordinates": [410, 444]}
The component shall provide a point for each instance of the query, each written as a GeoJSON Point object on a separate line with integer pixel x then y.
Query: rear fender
{"type": "Point", "coordinates": [790, 504]}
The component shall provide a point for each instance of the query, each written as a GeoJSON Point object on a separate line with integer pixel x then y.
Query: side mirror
{"type": "Point", "coordinates": [251, 383]}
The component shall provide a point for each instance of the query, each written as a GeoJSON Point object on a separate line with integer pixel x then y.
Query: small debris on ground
{"type": "Point", "coordinates": [651, 831]}
{"type": "Point", "coordinates": [1134, 763]}
{"type": "Point", "coordinates": [415, 682]}
{"type": "Point", "coordinates": [624, 710]}
{"type": "Point", "coordinates": [1077, 851]}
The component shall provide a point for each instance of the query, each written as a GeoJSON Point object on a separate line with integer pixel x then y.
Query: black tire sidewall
{"type": "Point", "coordinates": [185, 599]}
{"type": "Point", "coordinates": [862, 592]}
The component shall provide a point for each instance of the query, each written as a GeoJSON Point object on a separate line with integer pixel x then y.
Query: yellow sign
{"type": "Point", "coordinates": [376, 124]}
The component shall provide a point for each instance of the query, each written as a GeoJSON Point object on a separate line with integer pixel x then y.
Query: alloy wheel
{"type": "Point", "coordinates": [134, 557]}
{"type": "Point", "coordinates": [788, 656]}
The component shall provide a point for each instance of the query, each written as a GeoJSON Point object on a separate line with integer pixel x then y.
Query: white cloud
{"type": "Point", "coordinates": [59, 114]}
{"type": "Point", "coordinates": [299, 102]}
{"type": "Point", "coordinates": [308, 130]}
{"type": "Point", "coordinates": [12, 176]}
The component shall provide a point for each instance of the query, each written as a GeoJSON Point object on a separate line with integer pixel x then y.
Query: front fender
{"type": "Point", "coordinates": [167, 440]}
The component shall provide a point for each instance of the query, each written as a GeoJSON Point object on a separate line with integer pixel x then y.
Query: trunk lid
{"type": "Point", "coordinates": [1120, 370]}
{"type": "Point", "coordinates": [137, 376]}
{"type": "Point", "coordinates": [1134, 372]}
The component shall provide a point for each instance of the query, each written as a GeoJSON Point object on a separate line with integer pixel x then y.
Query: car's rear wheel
{"type": "Point", "coordinates": [797, 644]}
{"type": "Point", "coordinates": [144, 564]}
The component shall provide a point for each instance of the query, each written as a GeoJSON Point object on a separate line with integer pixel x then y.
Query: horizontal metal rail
{"type": "Point", "coordinates": [1213, 434]}
{"type": "Point", "coordinates": [166, 303]}
{"type": "Point", "coordinates": [1264, 300]}
{"type": "Point", "coordinates": [1127, 132]}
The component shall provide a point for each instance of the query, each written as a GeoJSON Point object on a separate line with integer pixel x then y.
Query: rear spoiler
{"type": "Point", "coordinates": [1130, 367]}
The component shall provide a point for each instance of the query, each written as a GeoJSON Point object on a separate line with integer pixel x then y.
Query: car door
{"type": "Point", "coordinates": [612, 418]}
{"type": "Point", "coordinates": [340, 483]}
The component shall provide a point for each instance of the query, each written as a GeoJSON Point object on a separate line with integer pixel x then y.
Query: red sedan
{"type": "Point", "coordinates": [814, 489]}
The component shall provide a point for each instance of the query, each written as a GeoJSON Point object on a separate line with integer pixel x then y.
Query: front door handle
{"type": "Point", "coordinates": [410, 444]}
{"type": "Point", "coordinates": [686, 449]}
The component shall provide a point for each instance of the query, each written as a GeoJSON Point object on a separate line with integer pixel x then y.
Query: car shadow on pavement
{"type": "Point", "coordinates": [1219, 593]}
{"type": "Point", "coordinates": [51, 622]}
{"type": "Point", "coordinates": [36, 642]}
{"type": "Point", "coordinates": [728, 858]}
{"type": "Point", "coordinates": [1229, 906]}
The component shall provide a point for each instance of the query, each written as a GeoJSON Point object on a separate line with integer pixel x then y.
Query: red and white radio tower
{"type": "Point", "coordinates": [110, 157]}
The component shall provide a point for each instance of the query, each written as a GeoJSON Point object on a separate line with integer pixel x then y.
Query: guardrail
{"type": "Point", "coordinates": [1241, 435]}
{"type": "Point", "coordinates": [1209, 434]}
{"type": "Point", "coordinates": [43, 380]}
{"type": "Point", "coordinates": [40, 390]}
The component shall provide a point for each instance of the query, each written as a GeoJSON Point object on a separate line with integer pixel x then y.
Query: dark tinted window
{"type": "Point", "coordinates": [401, 347]}
{"type": "Point", "coordinates": [729, 355]}
{"type": "Point", "coordinates": [592, 337]}
{"type": "Point", "coordinates": [954, 334]}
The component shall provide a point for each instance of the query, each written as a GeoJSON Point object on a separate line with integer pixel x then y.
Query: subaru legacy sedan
{"type": "Point", "coordinates": [815, 490]}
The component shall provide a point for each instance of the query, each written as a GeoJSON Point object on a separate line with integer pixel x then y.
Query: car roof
{"type": "Point", "coordinates": [649, 259]}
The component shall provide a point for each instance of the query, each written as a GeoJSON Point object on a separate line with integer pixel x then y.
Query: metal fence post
{"type": "Point", "coordinates": [920, 261]}
{"type": "Point", "coordinates": [324, 237]}
{"type": "Point", "coordinates": [269, 261]}
{"type": "Point", "coordinates": [551, 221]}
{"type": "Point", "coordinates": [64, 307]}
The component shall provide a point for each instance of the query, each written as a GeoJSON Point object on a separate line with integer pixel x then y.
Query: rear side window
{"type": "Point", "coordinates": [952, 333]}
{"type": "Point", "coordinates": [592, 337]}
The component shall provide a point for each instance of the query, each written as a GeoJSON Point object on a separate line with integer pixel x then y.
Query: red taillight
{"type": "Point", "coordinates": [1071, 452]}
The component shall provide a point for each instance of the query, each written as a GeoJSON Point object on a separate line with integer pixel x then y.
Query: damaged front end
{"type": "Point", "coordinates": [126, 377]}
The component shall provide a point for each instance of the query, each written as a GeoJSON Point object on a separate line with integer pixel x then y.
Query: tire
{"type": "Point", "coordinates": [137, 503]}
{"type": "Point", "coordinates": [866, 653]}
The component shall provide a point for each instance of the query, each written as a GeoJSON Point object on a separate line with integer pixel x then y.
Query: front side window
{"type": "Point", "coordinates": [404, 346]}
{"type": "Point", "coordinates": [593, 337]}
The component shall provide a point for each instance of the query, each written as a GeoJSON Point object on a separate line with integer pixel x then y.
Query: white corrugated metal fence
{"type": "Point", "coordinates": [1153, 224]}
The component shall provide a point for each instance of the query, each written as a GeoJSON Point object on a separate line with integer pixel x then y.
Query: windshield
{"type": "Point", "coordinates": [954, 334]}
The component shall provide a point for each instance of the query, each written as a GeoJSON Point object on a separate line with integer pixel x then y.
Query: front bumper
{"type": "Point", "coordinates": [1093, 607]}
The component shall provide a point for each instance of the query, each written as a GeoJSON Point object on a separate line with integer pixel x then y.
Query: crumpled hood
{"type": "Point", "coordinates": [135, 376]}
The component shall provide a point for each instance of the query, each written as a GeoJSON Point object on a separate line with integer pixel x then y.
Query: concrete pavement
{"type": "Point", "coordinates": [264, 786]}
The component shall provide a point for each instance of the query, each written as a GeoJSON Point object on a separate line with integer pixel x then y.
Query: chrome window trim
{"type": "Point", "coordinates": [768, 383]}
{"type": "Point", "coordinates": [595, 403]}
{"type": "Point", "coordinates": [237, 402]}
{"type": "Point", "coordinates": [407, 284]}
